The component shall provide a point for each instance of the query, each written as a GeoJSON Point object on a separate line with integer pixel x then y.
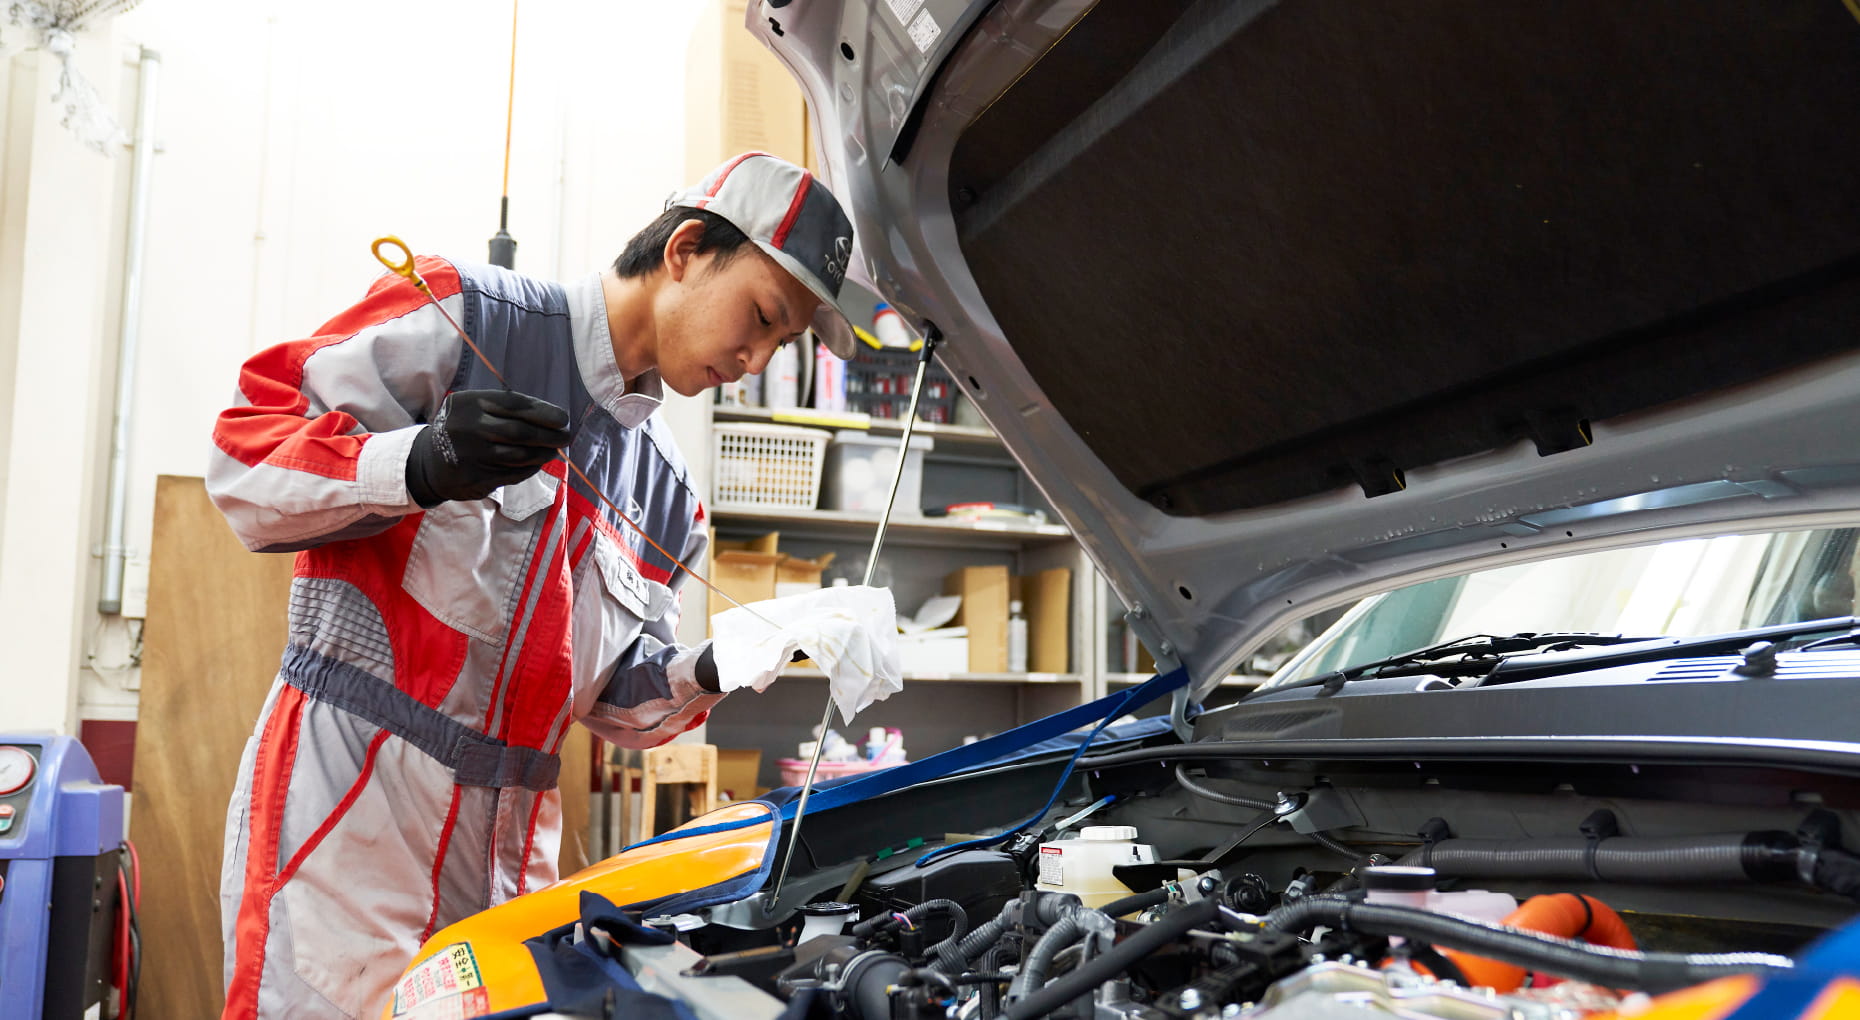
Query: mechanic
{"type": "Point", "coordinates": [459, 597]}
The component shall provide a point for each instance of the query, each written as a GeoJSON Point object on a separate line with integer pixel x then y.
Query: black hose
{"type": "Point", "coordinates": [958, 918]}
{"type": "Point", "coordinates": [1207, 793]}
{"type": "Point", "coordinates": [1106, 967]}
{"type": "Point", "coordinates": [954, 953]}
{"type": "Point", "coordinates": [1137, 901]}
{"type": "Point", "coordinates": [1614, 968]}
{"type": "Point", "coordinates": [1334, 846]}
{"type": "Point", "coordinates": [1040, 958]}
{"type": "Point", "coordinates": [1734, 857]}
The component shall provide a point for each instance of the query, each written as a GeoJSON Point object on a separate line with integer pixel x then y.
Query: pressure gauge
{"type": "Point", "coordinates": [16, 769]}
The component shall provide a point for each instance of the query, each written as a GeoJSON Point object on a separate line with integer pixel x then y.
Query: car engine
{"type": "Point", "coordinates": [1301, 903]}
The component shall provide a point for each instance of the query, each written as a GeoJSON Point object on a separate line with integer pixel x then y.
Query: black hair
{"type": "Point", "coordinates": [645, 253]}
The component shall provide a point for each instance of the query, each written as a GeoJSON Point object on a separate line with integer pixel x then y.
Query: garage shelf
{"type": "Point", "coordinates": [930, 532]}
{"type": "Point", "coordinates": [952, 435]}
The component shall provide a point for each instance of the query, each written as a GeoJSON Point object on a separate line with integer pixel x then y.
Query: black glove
{"type": "Point", "coordinates": [482, 439]}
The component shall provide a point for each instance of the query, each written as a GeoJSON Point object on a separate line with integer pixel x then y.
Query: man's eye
{"type": "Point", "coordinates": [764, 319]}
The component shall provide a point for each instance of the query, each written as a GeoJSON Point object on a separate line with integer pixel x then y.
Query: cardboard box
{"type": "Point", "coordinates": [984, 612]}
{"type": "Point", "coordinates": [737, 768]}
{"type": "Point", "coordinates": [1046, 601]}
{"type": "Point", "coordinates": [745, 569]}
{"type": "Point", "coordinates": [738, 97]}
{"type": "Point", "coordinates": [796, 576]}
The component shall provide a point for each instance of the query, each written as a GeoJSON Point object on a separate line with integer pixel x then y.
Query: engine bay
{"type": "Point", "coordinates": [1228, 891]}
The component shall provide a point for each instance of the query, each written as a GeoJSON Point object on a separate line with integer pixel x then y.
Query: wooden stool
{"type": "Point", "coordinates": [691, 766]}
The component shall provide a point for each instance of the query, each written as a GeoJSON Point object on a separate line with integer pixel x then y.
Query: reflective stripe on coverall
{"type": "Point", "coordinates": [402, 774]}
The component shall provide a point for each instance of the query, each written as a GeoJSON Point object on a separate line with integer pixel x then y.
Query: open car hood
{"type": "Point", "coordinates": [1285, 304]}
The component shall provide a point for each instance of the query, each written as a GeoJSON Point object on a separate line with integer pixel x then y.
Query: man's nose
{"type": "Point", "coordinates": [756, 357]}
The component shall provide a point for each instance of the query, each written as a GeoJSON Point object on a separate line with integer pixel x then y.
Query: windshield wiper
{"type": "Point", "coordinates": [1510, 671]}
{"type": "Point", "coordinates": [1527, 656]}
{"type": "Point", "coordinates": [1474, 655]}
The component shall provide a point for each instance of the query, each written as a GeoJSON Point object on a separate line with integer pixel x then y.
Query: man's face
{"type": "Point", "coordinates": [721, 322]}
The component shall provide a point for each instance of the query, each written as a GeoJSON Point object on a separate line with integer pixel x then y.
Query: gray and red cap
{"type": "Point", "coordinates": [793, 218]}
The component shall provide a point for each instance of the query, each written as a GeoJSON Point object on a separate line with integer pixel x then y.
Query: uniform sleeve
{"type": "Point", "coordinates": [314, 448]}
{"type": "Point", "coordinates": [653, 694]}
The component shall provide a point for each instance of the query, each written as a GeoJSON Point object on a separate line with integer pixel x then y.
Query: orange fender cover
{"type": "Point", "coordinates": [1568, 915]}
{"type": "Point", "coordinates": [481, 966]}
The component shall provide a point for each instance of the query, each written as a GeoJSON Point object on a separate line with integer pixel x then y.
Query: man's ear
{"type": "Point", "coordinates": [681, 248]}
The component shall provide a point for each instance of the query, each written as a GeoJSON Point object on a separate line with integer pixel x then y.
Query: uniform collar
{"type": "Point", "coordinates": [594, 357]}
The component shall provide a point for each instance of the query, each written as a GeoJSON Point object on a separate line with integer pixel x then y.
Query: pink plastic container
{"type": "Point", "coordinates": [794, 770]}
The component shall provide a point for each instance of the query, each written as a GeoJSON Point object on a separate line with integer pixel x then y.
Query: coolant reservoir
{"type": "Point", "coordinates": [1414, 887]}
{"type": "Point", "coordinates": [1083, 866]}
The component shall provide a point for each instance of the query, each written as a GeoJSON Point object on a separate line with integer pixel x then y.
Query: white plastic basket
{"type": "Point", "coordinates": [766, 466]}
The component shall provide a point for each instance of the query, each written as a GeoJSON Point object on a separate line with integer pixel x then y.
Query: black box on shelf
{"type": "Point", "coordinates": [878, 382]}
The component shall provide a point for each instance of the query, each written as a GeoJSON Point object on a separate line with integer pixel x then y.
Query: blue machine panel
{"type": "Point", "coordinates": [61, 828]}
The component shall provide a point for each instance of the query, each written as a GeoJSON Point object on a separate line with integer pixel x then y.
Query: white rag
{"type": "Point", "coordinates": [850, 631]}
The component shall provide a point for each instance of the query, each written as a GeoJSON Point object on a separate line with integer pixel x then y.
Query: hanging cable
{"type": "Point", "coordinates": [503, 246]}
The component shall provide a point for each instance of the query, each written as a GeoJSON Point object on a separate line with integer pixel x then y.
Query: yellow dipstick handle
{"type": "Point", "coordinates": [403, 267]}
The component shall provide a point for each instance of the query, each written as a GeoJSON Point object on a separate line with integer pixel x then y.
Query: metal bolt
{"type": "Point", "coordinates": [1190, 1000]}
{"type": "Point", "coordinates": [1232, 1009]}
{"type": "Point", "coordinates": [1167, 648]}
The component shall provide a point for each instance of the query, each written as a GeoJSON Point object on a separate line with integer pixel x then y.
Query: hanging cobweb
{"type": "Point", "coordinates": [52, 26]}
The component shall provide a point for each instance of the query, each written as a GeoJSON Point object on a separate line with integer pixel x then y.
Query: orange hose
{"type": "Point", "coordinates": [1567, 915]}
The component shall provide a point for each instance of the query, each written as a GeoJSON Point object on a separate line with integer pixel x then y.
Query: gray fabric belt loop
{"type": "Point", "coordinates": [474, 758]}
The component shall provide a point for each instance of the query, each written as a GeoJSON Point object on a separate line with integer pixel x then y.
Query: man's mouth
{"type": "Point", "coordinates": [715, 379]}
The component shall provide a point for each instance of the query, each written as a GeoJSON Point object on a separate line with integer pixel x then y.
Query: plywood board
{"type": "Point", "coordinates": [215, 628]}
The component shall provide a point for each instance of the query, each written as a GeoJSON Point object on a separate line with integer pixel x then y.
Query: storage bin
{"type": "Point", "coordinates": [794, 770]}
{"type": "Point", "coordinates": [859, 470]}
{"type": "Point", "coordinates": [757, 466]}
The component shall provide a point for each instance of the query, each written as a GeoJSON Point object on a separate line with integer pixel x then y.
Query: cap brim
{"type": "Point", "coordinates": [831, 324]}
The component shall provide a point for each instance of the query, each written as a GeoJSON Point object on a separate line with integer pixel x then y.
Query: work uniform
{"type": "Point", "coordinates": [402, 774]}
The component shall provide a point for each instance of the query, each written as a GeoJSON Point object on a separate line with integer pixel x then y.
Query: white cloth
{"type": "Point", "coordinates": [850, 631]}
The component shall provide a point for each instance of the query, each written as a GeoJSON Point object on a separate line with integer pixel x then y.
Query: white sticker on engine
{"type": "Point", "coordinates": [924, 32]}
{"type": "Point", "coordinates": [903, 9]}
{"type": "Point", "coordinates": [1052, 866]}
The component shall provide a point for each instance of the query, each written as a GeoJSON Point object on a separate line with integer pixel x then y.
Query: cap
{"type": "Point", "coordinates": [794, 219]}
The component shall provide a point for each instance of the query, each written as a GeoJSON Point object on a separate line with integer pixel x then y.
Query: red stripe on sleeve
{"type": "Point", "coordinates": [271, 427]}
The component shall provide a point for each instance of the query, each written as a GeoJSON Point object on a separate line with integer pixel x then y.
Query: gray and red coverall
{"type": "Point", "coordinates": [402, 774]}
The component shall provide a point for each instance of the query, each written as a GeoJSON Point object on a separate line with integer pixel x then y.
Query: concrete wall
{"type": "Point", "coordinates": [291, 134]}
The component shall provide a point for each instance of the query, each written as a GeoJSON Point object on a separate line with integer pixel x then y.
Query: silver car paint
{"type": "Point", "coordinates": [1780, 453]}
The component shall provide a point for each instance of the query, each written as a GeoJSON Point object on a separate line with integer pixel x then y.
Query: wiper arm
{"type": "Point", "coordinates": [1511, 671]}
{"type": "Point", "coordinates": [1475, 655]}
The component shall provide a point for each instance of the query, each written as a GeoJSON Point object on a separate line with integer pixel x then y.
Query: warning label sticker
{"type": "Point", "coordinates": [924, 32]}
{"type": "Point", "coordinates": [903, 9]}
{"type": "Point", "coordinates": [1052, 866]}
{"type": "Point", "coordinates": [444, 986]}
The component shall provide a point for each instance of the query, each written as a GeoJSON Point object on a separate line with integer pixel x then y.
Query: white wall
{"type": "Point", "coordinates": [292, 134]}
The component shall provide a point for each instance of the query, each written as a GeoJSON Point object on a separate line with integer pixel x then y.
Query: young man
{"type": "Point", "coordinates": [461, 597]}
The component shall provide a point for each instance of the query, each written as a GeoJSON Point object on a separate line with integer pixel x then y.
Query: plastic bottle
{"type": "Point", "coordinates": [1017, 639]}
{"type": "Point", "coordinates": [1083, 866]}
{"type": "Point", "coordinates": [781, 380]}
{"type": "Point", "coordinates": [825, 918]}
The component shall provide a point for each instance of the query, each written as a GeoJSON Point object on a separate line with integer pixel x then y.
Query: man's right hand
{"type": "Point", "coordinates": [480, 440]}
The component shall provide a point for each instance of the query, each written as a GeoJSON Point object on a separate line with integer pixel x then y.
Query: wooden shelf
{"type": "Point", "coordinates": [967, 435]}
{"type": "Point", "coordinates": [957, 678]}
{"type": "Point", "coordinates": [904, 529]}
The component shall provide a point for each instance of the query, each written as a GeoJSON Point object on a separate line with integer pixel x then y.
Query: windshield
{"type": "Point", "coordinates": [1687, 588]}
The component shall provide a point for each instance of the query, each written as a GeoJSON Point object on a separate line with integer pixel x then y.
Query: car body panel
{"type": "Point", "coordinates": [1206, 590]}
